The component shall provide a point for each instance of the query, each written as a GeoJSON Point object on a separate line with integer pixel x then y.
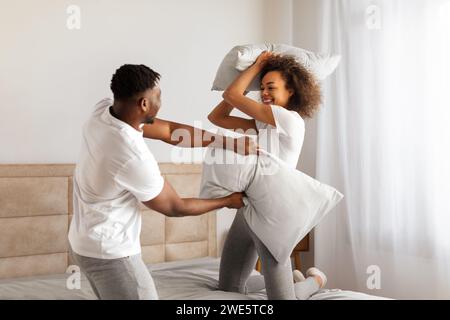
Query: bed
{"type": "Point", "coordinates": [192, 279]}
{"type": "Point", "coordinates": [181, 253]}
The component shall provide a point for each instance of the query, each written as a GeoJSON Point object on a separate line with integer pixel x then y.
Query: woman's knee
{"type": "Point", "coordinates": [231, 286]}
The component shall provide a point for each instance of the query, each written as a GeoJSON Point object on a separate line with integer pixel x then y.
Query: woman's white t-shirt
{"type": "Point", "coordinates": [286, 139]}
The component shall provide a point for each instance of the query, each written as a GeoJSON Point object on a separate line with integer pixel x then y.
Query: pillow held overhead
{"type": "Point", "coordinates": [241, 57]}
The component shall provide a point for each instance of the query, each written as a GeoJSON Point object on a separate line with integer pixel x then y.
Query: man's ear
{"type": "Point", "coordinates": [144, 104]}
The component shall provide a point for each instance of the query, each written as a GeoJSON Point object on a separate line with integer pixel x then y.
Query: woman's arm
{"type": "Point", "coordinates": [220, 116]}
{"type": "Point", "coordinates": [234, 94]}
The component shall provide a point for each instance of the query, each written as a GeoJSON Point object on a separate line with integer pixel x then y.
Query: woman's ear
{"type": "Point", "coordinates": [291, 92]}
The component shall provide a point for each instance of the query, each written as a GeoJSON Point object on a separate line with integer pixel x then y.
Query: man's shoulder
{"type": "Point", "coordinates": [102, 105]}
{"type": "Point", "coordinates": [96, 115]}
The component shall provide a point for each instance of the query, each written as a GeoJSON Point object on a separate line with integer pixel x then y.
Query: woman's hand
{"type": "Point", "coordinates": [264, 57]}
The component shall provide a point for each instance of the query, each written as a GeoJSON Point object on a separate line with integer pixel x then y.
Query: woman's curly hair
{"type": "Point", "coordinates": [307, 96]}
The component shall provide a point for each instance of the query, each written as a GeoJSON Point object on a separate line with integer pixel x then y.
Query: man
{"type": "Point", "coordinates": [115, 171]}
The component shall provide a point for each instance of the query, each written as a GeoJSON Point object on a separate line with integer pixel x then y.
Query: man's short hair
{"type": "Point", "coordinates": [131, 79]}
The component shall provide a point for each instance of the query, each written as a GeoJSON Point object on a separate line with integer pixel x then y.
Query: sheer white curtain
{"type": "Point", "coordinates": [384, 141]}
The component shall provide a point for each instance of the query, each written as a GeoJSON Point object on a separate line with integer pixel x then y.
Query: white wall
{"type": "Point", "coordinates": [305, 35]}
{"type": "Point", "coordinates": [278, 21]}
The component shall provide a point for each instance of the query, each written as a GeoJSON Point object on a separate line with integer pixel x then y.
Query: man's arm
{"type": "Point", "coordinates": [177, 134]}
{"type": "Point", "coordinates": [182, 135]}
{"type": "Point", "coordinates": [169, 203]}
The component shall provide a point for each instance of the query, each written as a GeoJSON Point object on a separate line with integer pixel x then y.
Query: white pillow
{"type": "Point", "coordinates": [284, 204]}
{"type": "Point", "coordinates": [241, 57]}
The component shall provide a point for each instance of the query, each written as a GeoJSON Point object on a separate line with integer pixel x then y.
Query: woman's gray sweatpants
{"type": "Point", "coordinates": [117, 279]}
{"type": "Point", "coordinates": [239, 256]}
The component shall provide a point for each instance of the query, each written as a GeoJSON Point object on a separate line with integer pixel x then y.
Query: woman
{"type": "Point", "coordinates": [289, 93]}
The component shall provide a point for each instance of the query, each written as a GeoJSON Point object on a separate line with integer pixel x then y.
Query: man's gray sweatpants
{"type": "Point", "coordinates": [117, 279]}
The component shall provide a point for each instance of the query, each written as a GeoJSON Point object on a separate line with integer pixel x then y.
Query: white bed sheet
{"type": "Point", "coordinates": [194, 279]}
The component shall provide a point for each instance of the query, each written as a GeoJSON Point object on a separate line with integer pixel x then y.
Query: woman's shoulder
{"type": "Point", "coordinates": [286, 114]}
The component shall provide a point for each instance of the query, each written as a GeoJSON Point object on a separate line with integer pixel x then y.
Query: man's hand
{"type": "Point", "coordinates": [236, 200]}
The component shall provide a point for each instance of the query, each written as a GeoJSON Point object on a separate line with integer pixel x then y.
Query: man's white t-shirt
{"type": "Point", "coordinates": [286, 139]}
{"type": "Point", "coordinates": [115, 171]}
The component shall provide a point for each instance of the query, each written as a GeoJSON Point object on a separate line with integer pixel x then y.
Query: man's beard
{"type": "Point", "coordinates": [149, 120]}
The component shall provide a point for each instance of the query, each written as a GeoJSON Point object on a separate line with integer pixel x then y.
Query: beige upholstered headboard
{"type": "Point", "coordinates": [36, 209]}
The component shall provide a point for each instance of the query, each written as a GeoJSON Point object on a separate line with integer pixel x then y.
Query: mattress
{"type": "Point", "coordinates": [194, 279]}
